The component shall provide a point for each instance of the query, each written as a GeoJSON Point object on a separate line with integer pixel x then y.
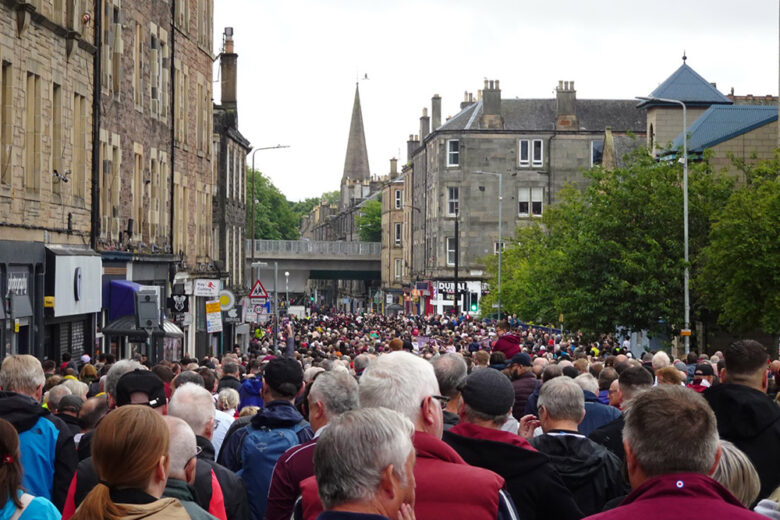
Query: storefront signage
{"type": "Point", "coordinates": [213, 316]}
{"type": "Point", "coordinates": [17, 283]}
{"type": "Point", "coordinates": [77, 287]}
{"type": "Point", "coordinates": [233, 315]}
{"type": "Point", "coordinates": [179, 303]}
{"type": "Point", "coordinates": [207, 288]}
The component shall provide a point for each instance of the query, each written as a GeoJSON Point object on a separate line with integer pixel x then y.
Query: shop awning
{"type": "Point", "coordinates": [122, 299]}
{"type": "Point", "coordinates": [126, 326]}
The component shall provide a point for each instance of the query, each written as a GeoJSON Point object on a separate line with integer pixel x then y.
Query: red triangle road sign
{"type": "Point", "coordinates": [258, 291]}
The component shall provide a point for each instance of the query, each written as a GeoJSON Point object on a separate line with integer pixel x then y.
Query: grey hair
{"type": "Point", "coordinates": [76, 387]}
{"type": "Point", "coordinates": [737, 474]}
{"type": "Point", "coordinates": [661, 360]}
{"type": "Point", "coordinates": [450, 370]}
{"type": "Point", "coordinates": [587, 382]}
{"type": "Point", "coordinates": [361, 362]}
{"type": "Point", "coordinates": [21, 373]}
{"type": "Point", "coordinates": [399, 381]}
{"type": "Point", "coordinates": [355, 448]}
{"type": "Point", "coordinates": [563, 399]}
{"type": "Point", "coordinates": [116, 371]}
{"type": "Point", "coordinates": [686, 444]}
{"type": "Point", "coordinates": [338, 392]}
{"type": "Point", "coordinates": [228, 399]}
{"type": "Point", "coordinates": [194, 404]}
{"type": "Point", "coordinates": [56, 394]}
{"type": "Point", "coordinates": [472, 414]}
{"type": "Point", "coordinates": [182, 446]}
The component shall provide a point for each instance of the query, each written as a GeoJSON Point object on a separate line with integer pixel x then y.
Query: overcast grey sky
{"type": "Point", "coordinates": [299, 59]}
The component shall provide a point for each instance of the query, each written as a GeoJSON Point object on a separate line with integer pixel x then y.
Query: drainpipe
{"type": "Point", "coordinates": [96, 93]}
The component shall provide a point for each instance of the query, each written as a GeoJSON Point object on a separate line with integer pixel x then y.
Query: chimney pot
{"type": "Point", "coordinates": [486, 85]}
{"type": "Point", "coordinates": [560, 85]}
{"type": "Point", "coordinates": [425, 112]}
{"type": "Point", "coordinates": [228, 71]}
{"type": "Point", "coordinates": [435, 112]}
{"type": "Point", "coordinates": [497, 88]}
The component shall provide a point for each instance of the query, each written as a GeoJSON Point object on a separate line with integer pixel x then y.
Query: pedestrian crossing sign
{"type": "Point", "coordinates": [258, 291]}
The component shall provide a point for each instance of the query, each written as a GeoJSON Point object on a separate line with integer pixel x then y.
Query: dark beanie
{"type": "Point", "coordinates": [488, 391]}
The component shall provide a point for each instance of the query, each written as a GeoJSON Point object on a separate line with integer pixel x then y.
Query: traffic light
{"type": "Point", "coordinates": [474, 302]}
{"type": "Point", "coordinates": [311, 298]}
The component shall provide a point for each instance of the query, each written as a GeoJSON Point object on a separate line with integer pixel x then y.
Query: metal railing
{"type": "Point", "coordinates": [314, 247]}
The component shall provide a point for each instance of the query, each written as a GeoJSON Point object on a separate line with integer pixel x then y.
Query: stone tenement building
{"type": "Point", "coordinates": [46, 94]}
{"type": "Point", "coordinates": [535, 145]}
{"type": "Point", "coordinates": [393, 234]}
{"type": "Point", "coordinates": [230, 150]}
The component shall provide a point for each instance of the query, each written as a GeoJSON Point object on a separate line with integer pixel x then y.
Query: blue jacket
{"type": "Point", "coordinates": [249, 393]}
{"type": "Point", "coordinates": [48, 454]}
{"type": "Point", "coordinates": [38, 509]}
{"type": "Point", "coordinates": [596, 414]}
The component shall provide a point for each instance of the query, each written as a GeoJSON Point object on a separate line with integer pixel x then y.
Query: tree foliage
{"type": "Point", "coordinates": [369, 221]}
{"type": "Point", "coordinates": [740, 272]}
{"type": "Point", "coordinates": [274, 218]}
{"type": "Point", "coordinates": [612, 254]}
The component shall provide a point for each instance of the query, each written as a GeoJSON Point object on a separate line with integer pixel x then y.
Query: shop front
{"type": "Point", "coordinates": [22, 268]}
{"type": "Point", "coordinates": [73, 296]}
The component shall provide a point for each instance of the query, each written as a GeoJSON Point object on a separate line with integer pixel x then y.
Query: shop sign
{"type": "Point", "coordinates": [17, 283]}
{"type": "Point", "coordinates": [208, 288]}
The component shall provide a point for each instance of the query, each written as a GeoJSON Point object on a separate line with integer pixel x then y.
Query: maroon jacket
{"type": "Point", "coordinates": [446, 487]}
{"type": "Point", "coordinates": [509, 344]}
{"type": "Point", "coordinates": [682, 496]}
{"type": "Point", "coordinates": [524, 386]}
{"type": "Point", "coordinates": [294, 466]}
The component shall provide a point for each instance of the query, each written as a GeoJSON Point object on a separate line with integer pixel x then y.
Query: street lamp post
{"type": "Point", "coordinates": [253, 189]}
{"type": "Point", "coordinates": [287, 288]}
{"type": "Point", "coordinates": [500, 218]}
{"type": "Point", "coordinates": [686, 274]}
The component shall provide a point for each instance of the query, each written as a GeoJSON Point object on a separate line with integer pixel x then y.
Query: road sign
{"type": "Point", "coordinates": [258, 292]}
{"type": "Point", "coordinates": [226, 300]}
{"type": "Point", "coordinates": [685, 332]}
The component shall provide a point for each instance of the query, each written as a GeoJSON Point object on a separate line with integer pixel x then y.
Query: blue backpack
{"type": "Point", "coordinates": [260, 450]}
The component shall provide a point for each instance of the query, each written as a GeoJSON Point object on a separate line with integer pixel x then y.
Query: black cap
{"type": "Point", "coordinates": [140, 380]}
{"type": "Point", "coordinates": [522, 359]}
{"type": "Point", "coordinates": [488, 391]}
{"type": "Point", "coordinates": [704, 369]}
{"type": "Point", "coordinates": [284, 376]}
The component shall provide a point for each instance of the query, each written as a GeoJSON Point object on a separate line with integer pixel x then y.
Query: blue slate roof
{"type": "Point", "coordinates": [723, 122]}
{"type": "Point", "coordinates": [686, 85]}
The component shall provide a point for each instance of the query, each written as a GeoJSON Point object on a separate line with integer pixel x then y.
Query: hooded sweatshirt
{"type": "Point", "coordinates": [535, 487]}
{"type": "Point", "coordinates": [249, 393]}
{"type": "Point", "coordinates": [48, 454]}
{"type": "Point", "coordinates": [751, 420]}
{"type": "Point", "coordinates": [509, 344]}
{"type": "Point", "coordinates": [589, 470]}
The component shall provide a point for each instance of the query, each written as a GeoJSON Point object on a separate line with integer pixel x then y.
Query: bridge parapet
{"type": "Point", "coordinates": [315, 249]}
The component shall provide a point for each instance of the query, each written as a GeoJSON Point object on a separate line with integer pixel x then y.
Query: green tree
{"type": "Point", "coordinates": [331, 197]}
{"type": "Point", "coordinates": [740, 272]}
{"type": "Point", "coordinates": [369, 221]}
{"type": "Point", "coordinates": [274, 219]}
{"type": "Point", "coordinates": [612, 254]}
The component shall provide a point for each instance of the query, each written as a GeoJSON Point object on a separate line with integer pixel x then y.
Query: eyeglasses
{"type": "Point", "coordinates": [198, 451]}
{"type": "Point", "coordinates": [443, 400]}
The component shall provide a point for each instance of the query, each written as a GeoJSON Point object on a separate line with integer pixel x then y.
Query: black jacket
{"type": "Point", "coordinates": [24, 413]}
{"type": "Point", "coordinates": [535, 487]}
{"type": "Point", "coordinates": [450, 419]}
{"type": "Point", "coordinates": [229, 382]}
{"type": "Point", "coordinates": [611, 437]}
{"type": "Point", "coordinates": [751, 420]}
{"type": "Point", "coordinates": [589, 470]}
{"type": "Point", "coordinates": [233, 489]}
{"type": "Point", "coordinates": [71, 422]}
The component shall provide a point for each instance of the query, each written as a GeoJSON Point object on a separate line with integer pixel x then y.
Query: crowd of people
{"type": "Point", "coordinates": [370, 417]}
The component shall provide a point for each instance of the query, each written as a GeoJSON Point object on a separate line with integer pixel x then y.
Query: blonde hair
{"type": "Point", "coordinates": [124, 457]}
{"type": "Point", "coordinates": [737, 474]}
{"type": "Point", "coordinates": [248, 410]}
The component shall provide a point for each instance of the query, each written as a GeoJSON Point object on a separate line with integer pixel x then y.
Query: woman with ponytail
{"type": "Point", "coordinates": [130, 455]}
{"type": "Point", "coordinates": [17, 505]}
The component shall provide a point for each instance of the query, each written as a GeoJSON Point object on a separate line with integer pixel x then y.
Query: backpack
{"type": "Point", "coordinates": [260, 450]}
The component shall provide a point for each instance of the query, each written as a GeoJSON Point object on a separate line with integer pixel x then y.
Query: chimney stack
{"type": "Point", "coordinates": [227, 65]}
{"type": "Point", "coordinates": [435, 112]}
{"type": "Point", "coordinates": [425, 124]}
{"type": "Point", "coordinates": [491, 106]}
{"type": "Point", "coordinates": [566, 106]}
{"type": "Point", "coordinates": [393, 167]}
{"type": "Point", "coordinates": [411, 146]}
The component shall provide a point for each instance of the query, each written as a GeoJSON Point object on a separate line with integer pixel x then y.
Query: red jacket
{"type": "Point", "coordinates": [446, 487]}
{"type": "Point", "coordinates": [682, 496]}
{"type": "Point", "coordinates": [509, 344]}
{"type": "Point", "coordinates": [294, 466]}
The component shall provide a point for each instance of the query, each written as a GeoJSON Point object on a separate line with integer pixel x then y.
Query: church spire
{"type": "Point", "coordinates": [356, 161]}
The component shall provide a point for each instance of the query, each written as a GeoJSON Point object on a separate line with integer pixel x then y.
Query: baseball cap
{"type": "Point", "coordinates": [522, 359]}
{"type": "Point", "coordinates": [704, 369]}
{"type": "Point", "coordinates": [284, 376]}
{"type": "Point", "coordinates": [488, 391]}
{"type": "Point", "coordinates": [70, 403]}
{"type": "Point", "coordinates": [140, 380]}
